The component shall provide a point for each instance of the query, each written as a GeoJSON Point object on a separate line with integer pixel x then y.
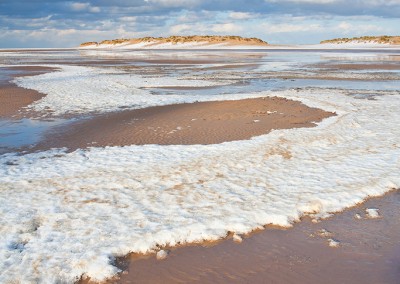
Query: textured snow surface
{"type": "Point", "coordinates": [372, 213]}
{"type": "Point", "coordinates": [162, 254]}
{"type": "Point", "coordinates": [333, 243]}
{"type": "Point", "coordinates": [68, 214]}
{"type": "Point", "coordinates": [71, 90]}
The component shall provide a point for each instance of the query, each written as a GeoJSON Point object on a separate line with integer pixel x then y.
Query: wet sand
{"type": "Point", "coordinates": [368, 252]}
{"type": "Point", "coordinates": [13, 98]}
{"type": "Point", "coordinates": [195, 123]}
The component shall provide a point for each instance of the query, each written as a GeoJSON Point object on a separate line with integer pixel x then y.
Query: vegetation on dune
{"type": "Point", "coordinates": [89, 43]}
{"type": "Point", "coordinates": [369, 39]}
{"type": "Point", "coordinates": [114, 41]}
{"type": "Point", "coordinates": [181, 39]}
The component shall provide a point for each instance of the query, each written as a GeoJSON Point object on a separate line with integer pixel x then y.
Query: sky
{"type": "Point", "coordinates": [54, 23]}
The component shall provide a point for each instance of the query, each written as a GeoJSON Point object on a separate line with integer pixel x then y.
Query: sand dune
{"type": "Point", "coordinates": [365, 40]}
{"type": "Point", "coordinates": [178, 42]}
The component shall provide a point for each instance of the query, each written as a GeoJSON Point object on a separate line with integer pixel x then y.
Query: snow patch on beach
{"type": "Point", "coordinates": [333, 243]}
{"type": "Point", "coordinates": [77, 89]}
{"type": "Point", "coordinates": [69, 214]}
{"type": "Point", "coordinates": [372, 213]}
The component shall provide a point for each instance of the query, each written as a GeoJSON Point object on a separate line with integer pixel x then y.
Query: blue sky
{"type": "Point", "coordinates": [54, 23]}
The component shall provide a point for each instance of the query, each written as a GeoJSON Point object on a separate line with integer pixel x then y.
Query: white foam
{"type": "Point", "coordinates": [68, 214]}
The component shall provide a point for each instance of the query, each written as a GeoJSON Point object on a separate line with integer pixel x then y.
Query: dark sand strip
{"type": "Point", "coordinates": [196, 123]}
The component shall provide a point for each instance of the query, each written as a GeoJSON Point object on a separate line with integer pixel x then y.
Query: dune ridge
{"type": "Point", "coordinates": [395, 40]}
{"type": "Point", "coordinates": [184, 41]}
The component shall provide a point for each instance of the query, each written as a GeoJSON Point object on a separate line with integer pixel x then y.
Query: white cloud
{"type": "Point", "coordinates": [290, 28]}
{"type": "Point", "coordinates": [46, 36]}
{"type": "Point", "coordinates": [345, 26]}
{"type": "Point", "coordinates": [242, 15]}
{"type": "Point", "coordinates": [304, 1]}
{"type": "Point", "coordinates": [79, 6]}
{"type": "Point", "coordinates": [358, 29]}
{"type": "Point", "coordinates": [382, 2]}
{"type": "Point", "coordinates": [341, 2]}
{"type": "Point", "coordinates": [180, 29]}
{"type": "Point", "coordinates": [128, 19]}
{"type": "Point", "coordinates": [175, 3]}
{"type": "Point", "coordinates": [84, 7]}
{"type": "Point", "coordinates": [94, 10]}
{"type": "Point", "coordinates": [205, 28]}
{"type": "Point", "coordinates": [226, 28]}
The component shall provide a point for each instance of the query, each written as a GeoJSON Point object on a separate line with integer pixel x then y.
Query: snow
{"type": "Point", "coordinates": [70, 214]}
{"type": "Point", "coordinates": [71, 90]}
{"type": "Point", "coordinates": [82, 208]}
{"type": "Point", "coordinates": [333, 243]}
{"type": "Point", "coordinates": [324, 233]}
{"type": "Point", "coordinates": [372, 213]}
{"type": "Point", "coordinates": [161, 254]}
{"type": "Point", "coordinates": [237, 238]}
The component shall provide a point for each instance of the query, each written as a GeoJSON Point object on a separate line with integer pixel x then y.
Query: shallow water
{"type": "Point", "coordinates": [6, 74]}
{"type": "Point", "coordinates": [15, 134]}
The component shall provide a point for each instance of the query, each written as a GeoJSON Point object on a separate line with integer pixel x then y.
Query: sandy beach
{"type": "Point", "coordinates": [367, 252]}
{"type": "Point", "coordinates": [207, 173]}
{"type": "Point", "coordinates": [171, 141]}
{"type": "Point", "coordinates": [185, 124]}
{"type": "Point", "coordinates": [13, 98]}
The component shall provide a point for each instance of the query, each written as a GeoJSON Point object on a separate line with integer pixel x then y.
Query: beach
{"type": "Point", "coordinates": [235, 166]}
{"type": "Point", "coordinates": [14, 99]}
{"type": "Point", "coordinates": [368, 252]}
{"type": "Point", "coordinates": [185, 124]}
